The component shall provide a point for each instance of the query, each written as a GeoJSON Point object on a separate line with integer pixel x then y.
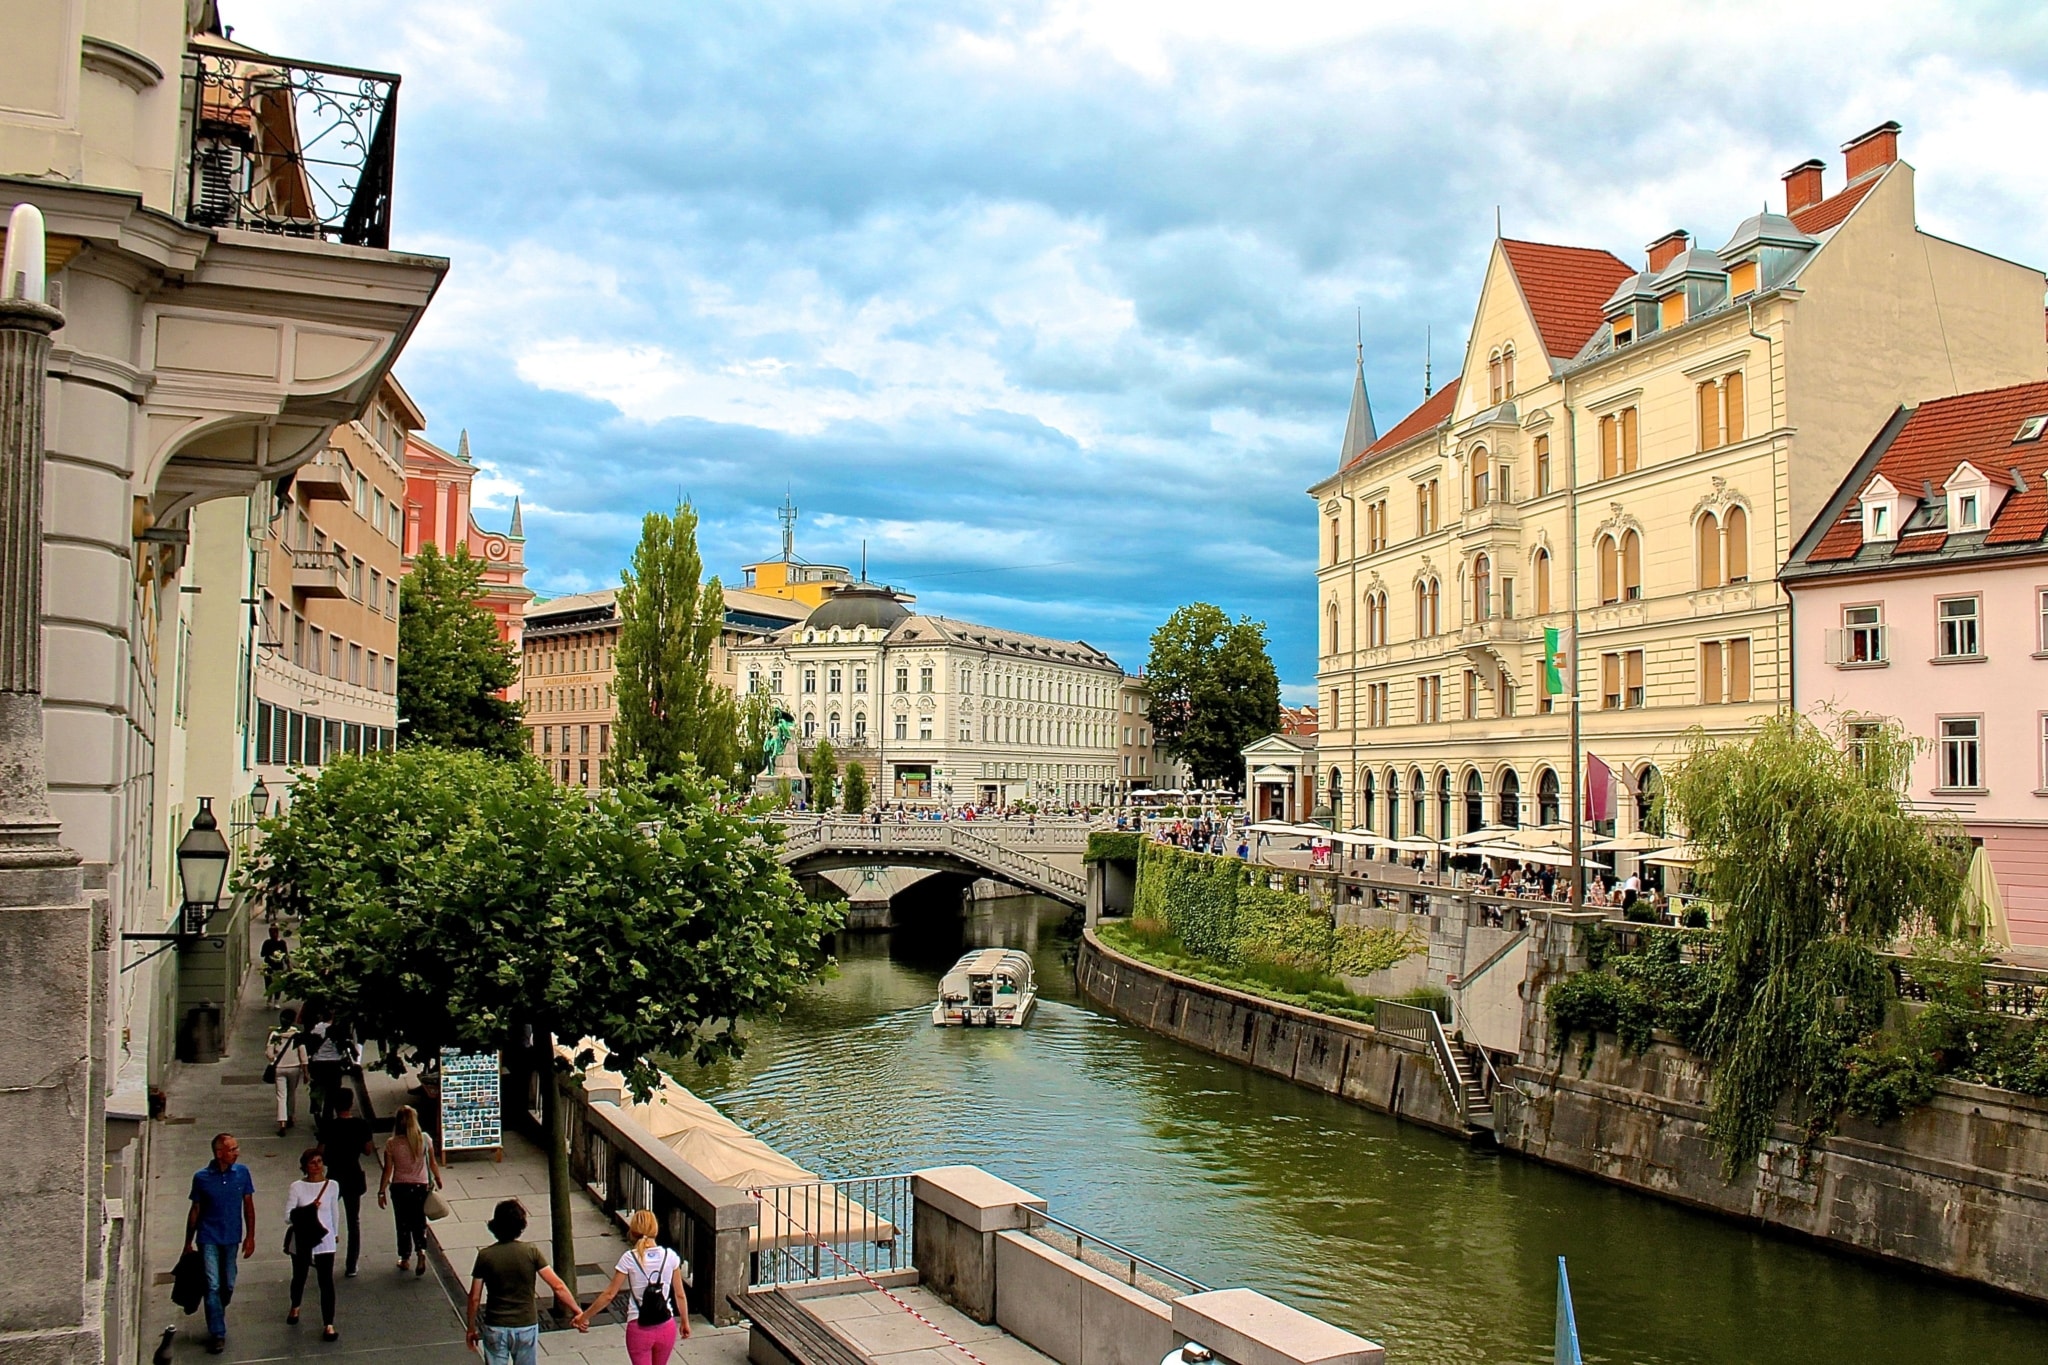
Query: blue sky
{"type": "Point", "coordinates": [1053, 304]}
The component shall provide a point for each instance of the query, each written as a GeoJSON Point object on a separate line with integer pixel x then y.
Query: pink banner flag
{"type": "Point", "coordinates": [1599, 791]}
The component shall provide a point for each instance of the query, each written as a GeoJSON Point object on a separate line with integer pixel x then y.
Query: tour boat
{"type": "Point", "coordinates": [988, 988]}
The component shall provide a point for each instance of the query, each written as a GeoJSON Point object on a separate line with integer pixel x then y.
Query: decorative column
{"type": "Point", "coordinates": [50, 1106]}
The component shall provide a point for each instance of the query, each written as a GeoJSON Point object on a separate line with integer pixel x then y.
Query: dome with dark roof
{"type": "Point", "coordinates": [860, 604]}
{"type": "Point", "coordinates": [1762, 230]}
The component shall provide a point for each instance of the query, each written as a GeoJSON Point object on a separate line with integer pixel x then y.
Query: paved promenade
{"type": "Point", "coordinates": [381, 1314]}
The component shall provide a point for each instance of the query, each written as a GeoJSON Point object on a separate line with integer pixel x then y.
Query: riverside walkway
{"type": "Point", "coordinates": [381, 1314]}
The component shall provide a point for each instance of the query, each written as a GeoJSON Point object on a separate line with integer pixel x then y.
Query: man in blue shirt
{"type": "Point", "coordinates": [223, 1215]}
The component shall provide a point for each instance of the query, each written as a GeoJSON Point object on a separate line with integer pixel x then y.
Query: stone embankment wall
{"type": "Point", "coordinates": [1959, 1187]}
{"type": "Point", "coordinates": [1335, 1056]}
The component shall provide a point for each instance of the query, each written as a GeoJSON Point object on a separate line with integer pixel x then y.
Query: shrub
{"type": "Point", "coordinates": [1883, 1082]}
{"type": "Point", "coordinates": [1592, 1003]}
{"type": "Point", "coordinates": [1105, 845]}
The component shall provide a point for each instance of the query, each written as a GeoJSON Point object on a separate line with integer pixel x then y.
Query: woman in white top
{"type": "Point", "coordinates": [646, 1265]}
{"type": "Point", "coordinates": [311, 1235]}
{"type": "Point", "coordinates": [285, 1050]}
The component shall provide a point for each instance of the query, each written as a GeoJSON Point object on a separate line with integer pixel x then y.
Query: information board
{"type": "Point", "coordinates": [470, 1117]}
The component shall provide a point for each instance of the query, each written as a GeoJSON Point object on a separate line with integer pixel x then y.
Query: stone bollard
{"type": "Point", "coordinates": [957, 1212]}
{"type": "Point", "coordinates": [1244, 1327]}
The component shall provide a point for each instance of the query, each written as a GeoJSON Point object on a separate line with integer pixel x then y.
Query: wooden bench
{"type": "Point", "coordinates": [783, 1333]}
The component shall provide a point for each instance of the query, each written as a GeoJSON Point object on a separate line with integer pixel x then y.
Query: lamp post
{"type": "Point", "coordinates": [202, 875]}
{"type": "Point", "coordinates": [259, 806]}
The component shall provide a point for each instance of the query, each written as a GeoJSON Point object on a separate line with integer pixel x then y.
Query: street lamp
{"type": "Point", "coordinates": [202, 868]}
{"type": "Point", "coordinates": [259, 799]}
{"type": "Point", "coordinates": [202, 874]}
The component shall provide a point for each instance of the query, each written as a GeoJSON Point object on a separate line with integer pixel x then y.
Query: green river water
{"type": "Point", "coordinates": [1440, 1252]}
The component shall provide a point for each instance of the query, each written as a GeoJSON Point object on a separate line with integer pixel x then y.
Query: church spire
{"type": "Point", "coordinates": [518, 525]}
{"type": "Point", "coordinates": [462, 447]}
{"type": "Point", "coordinates": [1359, 431]}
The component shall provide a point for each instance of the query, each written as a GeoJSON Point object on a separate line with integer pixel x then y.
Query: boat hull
{"type": "Point", "coordinates": [963, 1015]}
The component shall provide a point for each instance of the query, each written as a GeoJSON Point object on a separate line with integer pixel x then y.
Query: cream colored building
{"type": "Point", "coordinates": [945, 712]}
{"type": "Point", "coordinates": [568, 675]}
{"type": "Point", "coordinates": [1643, 444]}
{"type": "Point", "coordinates": [1142, 765]}
{"type": "Point", "coordinates": [225, 306]}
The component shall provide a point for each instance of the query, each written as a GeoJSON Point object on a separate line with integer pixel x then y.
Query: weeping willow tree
{"type": "Point", "coordinates": [1809, 849]}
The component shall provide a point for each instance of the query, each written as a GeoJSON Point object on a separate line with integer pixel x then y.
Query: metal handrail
{"type": "Point", "coordinates": [1410, 1021]}
{"type": "Point", "coordinates": [809, 1230]}
{"type": "Point", "coordinates": [1034, 1217]}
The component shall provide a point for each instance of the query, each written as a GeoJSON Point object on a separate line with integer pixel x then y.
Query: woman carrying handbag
{"type": "Point", "coordinates": [657, 1311]}
{"type": "Point", "coordinates": [411, 1173]}
{"type": "Point", "coordinates": [311, 1215]}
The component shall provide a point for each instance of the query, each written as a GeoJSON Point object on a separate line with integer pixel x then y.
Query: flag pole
{"type": "Point", "coordinates": [1571, 465]}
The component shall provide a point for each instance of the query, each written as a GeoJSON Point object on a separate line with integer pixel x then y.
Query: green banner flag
{"type": "Point", "coordinates": [1553, 663]}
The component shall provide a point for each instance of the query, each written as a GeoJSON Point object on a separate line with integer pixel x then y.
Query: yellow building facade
{"type": "Point", "coordinates": [1633, 449]}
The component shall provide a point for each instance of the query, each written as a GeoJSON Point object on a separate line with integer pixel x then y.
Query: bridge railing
{"type": "Point", "coordinates": [970, 845]}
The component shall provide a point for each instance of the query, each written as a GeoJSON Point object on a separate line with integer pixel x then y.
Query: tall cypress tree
{"type": "Point", "coordinates": [673, 715]}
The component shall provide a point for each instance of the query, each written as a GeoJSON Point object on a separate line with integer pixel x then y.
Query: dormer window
{"type": "Point", "coordinates": [1973, 499]}
{"type": "Point", "coordinates": [1881, 510]}
{"type": "Point", "coordinates": [1877, 523]}
{"type": "Point", "coordinates": [1966, 512]}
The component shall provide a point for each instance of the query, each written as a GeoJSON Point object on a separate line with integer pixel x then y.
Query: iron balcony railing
{"type": "Point", "coordinates": [295, 148]}
{"type": "Point", "coordinates": [833, 1229]}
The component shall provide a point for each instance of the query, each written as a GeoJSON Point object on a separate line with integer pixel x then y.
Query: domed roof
{"type": "Point", "coordinates": [1763, 229]}
{"type": "Point", "coordinates": [859, 604]}
{"type": "Point", "coordinates": [1630, 291]}
{"type": "Point", "coordinates": [1688, 263]}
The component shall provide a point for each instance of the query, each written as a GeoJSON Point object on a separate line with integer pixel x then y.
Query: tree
{"type": "Point", "coordinates": [1816, 862]}
{"type": "Point", "coordinates": [454, 666]}
{"type": "Point", "coordinates": [855, 791]}
{"type": "Point", "coordinates": [1210, 688]}
{"type": "Point", "coordinates": [823, 768]}
{"type": "Point", "coordinates": [450, 900]}
{"type": "Point", "coordinates": [672, 713]}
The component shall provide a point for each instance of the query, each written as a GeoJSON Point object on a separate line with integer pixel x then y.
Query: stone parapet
{"type": "Point", "coordinates": [1246, 1327]}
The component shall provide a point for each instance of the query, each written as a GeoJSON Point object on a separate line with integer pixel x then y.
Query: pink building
{"type": "Point", "coordinates": [437, 513]}
{"type": "Point", "coordinates": [1921, 593]}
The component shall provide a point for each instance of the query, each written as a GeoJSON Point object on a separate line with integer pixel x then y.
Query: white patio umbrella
{"type": "Point", "coordinates": [1636, 841]}
{"type": "Point", "coordinates": [1677, 855]}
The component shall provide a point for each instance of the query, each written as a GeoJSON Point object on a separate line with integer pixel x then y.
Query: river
{"type": "Point", "coordinates": [1440, 1252]}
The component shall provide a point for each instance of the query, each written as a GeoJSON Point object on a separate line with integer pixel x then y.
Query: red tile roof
{"type": "Point", "coordinates": [1565, 286]}
{"type": "Point", "coordinates": [1434, 411]}
{"type": "Point", "coordinates": [1831, 211]}
{"type": "Point", "coordinates": [1938, 436]}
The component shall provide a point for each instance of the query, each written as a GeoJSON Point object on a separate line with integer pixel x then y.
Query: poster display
{"type": "Point", "coordinates": [470, 1118]}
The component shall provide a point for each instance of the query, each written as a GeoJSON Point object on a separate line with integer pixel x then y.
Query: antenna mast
{"type": "Point", "coordinates": [787, 516]}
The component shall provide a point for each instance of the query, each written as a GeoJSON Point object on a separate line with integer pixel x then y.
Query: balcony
{"type": "Point", "coordinates": [1496, 516]}
{"type": "Point", "coordinates": [293, 148]}
{"type": "Point", "coordinates": [322, 482]}
{"type": "Point", "coordinates": [319, 573]}
{"type": "Point", "coordinates": [1494, 630]}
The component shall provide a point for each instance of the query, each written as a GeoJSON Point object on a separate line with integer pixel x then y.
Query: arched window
{"type": "Point", "coordinates": [1481, 475]}
{"type": "Point", "coordinates": [1493, 377]}
{"type": "Point", "coordinates": [1428, 603]}
{"type": "Point", "coordinates": [1649, 786]}
{"type": "Point", "coordinates": [1735, 532]}
{"type": "Point", "coordinates": [1443, 803]}
{"type": "Point", "coordinates": [1510, 799]}
{"type": "Point", "coordinates": [1336, 798]}
{"type": "Point", "coordinates": [1365, 800]}
{"type": "Point", "coordinates": [1539, 569]}
{"type": "Point", "coordinates": [1482, 587]}
{"type": "Point", "coordinates": [1418, 803]}
{"type": "Point", "coordinates": [1707, 550]}
{"type": "Point", "coordinates": [1331, 648]}
{"type": "Point", "coordinates": [1609, 555]}
{"type": "Point", "coordinates": [1507, 370]}
{"type": "Point", "coordinates": [1475, 802]}
{"type": "Point", "coordinates": [1546, 798]}
{"type": "Point", "coordinates": [1393, 804]}
{"type": "Point", "coordinates": [1631, 566]}
{"type": "Point", "coordinates": [1375, 619]}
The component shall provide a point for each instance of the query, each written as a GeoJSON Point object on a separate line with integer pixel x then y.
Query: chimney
{"type": "Point", "coordinates": [1872, 151]}
{"type": "Point", "coordinates": [1802, 186]}
{"type": "Point", "coordinates": [1668, 248]}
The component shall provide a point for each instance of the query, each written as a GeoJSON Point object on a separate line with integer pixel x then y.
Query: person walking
{"type": "Point", "coordinates": [285, 1054]}
{"type": "Point", "coordinates": [222, 1217]}
{"type": "Point", "coordinates": [504, 1312]}
{"type": "Point", "coordinates": [411, 1169]}
{"type": "Point", "coordinates": [345, 1140]}
{"type": "Point", "coordinates": [327, 1050]}
{"type": "Point", "coordinates": [277, 956]}
{"type": "Point", "coordinates": [312, 1215]}
{"type": "Point", "coordinates": [657, 1309]}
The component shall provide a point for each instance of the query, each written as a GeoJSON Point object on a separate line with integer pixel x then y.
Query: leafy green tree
{"type": "Point", "coordinates": [672, 713]}
{"type": "Point", "coordinates": [450, 900]}
{"type": "Point", "coordinates": [1809, 848]}
{"type": "Point", "coordinates": [1210, 688]}
{"type": "Point", "coordinates": [453, 665]}
{"type": "Point", "coordinates": [854, 792]}
{"type": "Point", "coordinates": [823, 768]}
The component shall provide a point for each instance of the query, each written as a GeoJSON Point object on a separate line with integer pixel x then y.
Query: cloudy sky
{"type": "Point", "coordinates": [1052, 305]}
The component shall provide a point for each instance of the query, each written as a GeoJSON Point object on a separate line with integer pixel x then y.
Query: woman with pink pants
{"type": "Point", "coordinates": [657, 1312]}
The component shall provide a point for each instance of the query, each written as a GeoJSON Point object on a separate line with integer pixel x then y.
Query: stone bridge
{"type": "Point", "coordinates": [1010, 852]}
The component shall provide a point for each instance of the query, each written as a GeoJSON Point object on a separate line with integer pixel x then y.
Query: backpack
{"type": "Point", "coordinates": [654, 1307]}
